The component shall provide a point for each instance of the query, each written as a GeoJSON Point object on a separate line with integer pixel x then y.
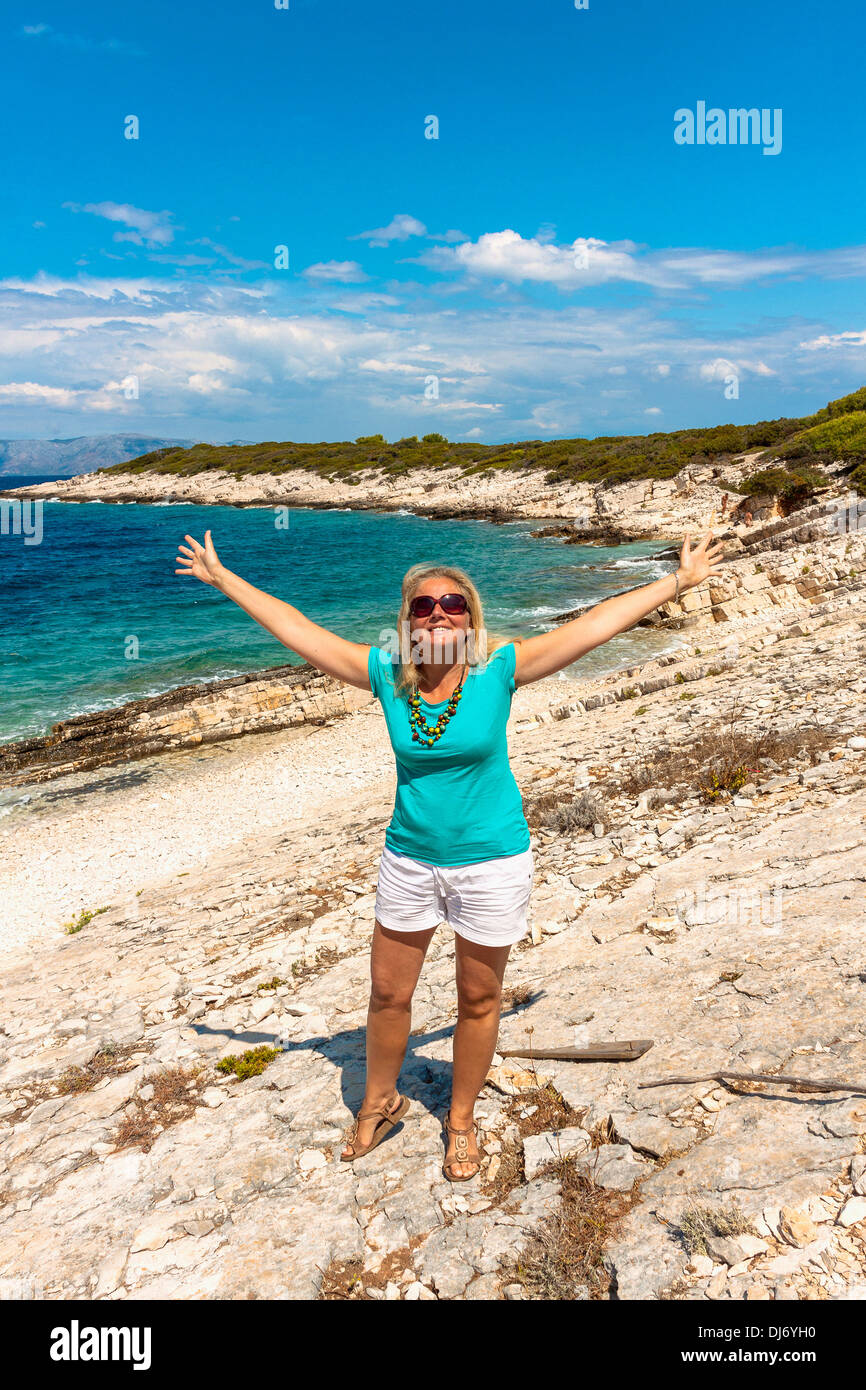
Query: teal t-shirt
{"type": "Point", "coordinates": [457, 801]}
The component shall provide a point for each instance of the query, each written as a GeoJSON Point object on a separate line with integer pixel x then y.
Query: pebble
{"type": "Point", "coordinates": [310, 1159]}
{"type": "Point", "coordinates": [853, 1212]}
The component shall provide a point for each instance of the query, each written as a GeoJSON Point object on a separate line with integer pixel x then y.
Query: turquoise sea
{"type": "Point", "coordinates": [93, 614]}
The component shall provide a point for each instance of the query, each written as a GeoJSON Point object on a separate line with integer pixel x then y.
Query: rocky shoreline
{"type": "Point", "coordinates": [222, 899]}
{"type": "Point", "coordinates": [186, 717]}
{"type": "Point", "coordinates": [769, 566]}
{"type": "Point", "coordinates": [274, 698]}
{"type": "Point", "coordinates": [638, 510]}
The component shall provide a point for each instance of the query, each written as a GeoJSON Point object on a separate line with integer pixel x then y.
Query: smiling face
{"type": "Point", "coordinates": [436, 634]}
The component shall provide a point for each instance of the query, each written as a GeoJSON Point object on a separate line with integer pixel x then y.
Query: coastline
{"type": "Point", "coordinates": [266, 699]}
{"type": "Point", "coordinates": [639, 510]}
{"type": "Point", "coordinates": [258, 699]}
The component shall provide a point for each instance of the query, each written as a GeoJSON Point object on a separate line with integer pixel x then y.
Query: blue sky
{"type": "Point", "coordinates": [554, 263]}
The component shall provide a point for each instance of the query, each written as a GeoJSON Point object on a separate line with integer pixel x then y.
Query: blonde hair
{"type": "Point", "coordinates": [406, 678]}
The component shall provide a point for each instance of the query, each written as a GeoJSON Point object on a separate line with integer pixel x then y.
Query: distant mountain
{"type": "Point", "coordinates": [66, 458]}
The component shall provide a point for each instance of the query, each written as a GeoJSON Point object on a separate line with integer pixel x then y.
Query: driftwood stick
{"type": "Point", "coordinates": [806, 1082]}
{"type": "Point", "coordinates": [593, 1052]}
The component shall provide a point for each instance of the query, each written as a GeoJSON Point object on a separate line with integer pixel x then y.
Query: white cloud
{"type": "Point", "coordinates": [84, 45]}
{"type": "Point", "coordinates": [403, 368]}
{"type": "Point", "coordinates": [717, 370]}
{"type": "Point", "coordinates": [145, 228]}
{"type": "Point", "coordinates": [652, 410]}
{"type": "Point", "coordinates": [509, 257]}
{"type": "Point", "coordinates": [230, 256]}
{"type": "Point", "coordinates": [851, 338]}
{"type": "Point", "coordinates": [512, 259]}
{"type": "Point", "coordinates": [36, 392]}
{"type": "Point", "coordinates": [187, 260]}
{"type": "Point", "coordinates": [218, 358]}
{"type": "Point", "coordinates": [15, 341]}
{"type": "Point", "coordinates": [346, 272]}
{"type": "Point", "coordinates": [547, 416]}
{"type": "Point", "coordinates": [400, 228]}
{"type": "Point", "coordinates": [722, 367]}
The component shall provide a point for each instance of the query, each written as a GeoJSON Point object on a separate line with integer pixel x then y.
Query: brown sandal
{"type": "Point", "coordinates": [386, 1123]}
{"type": "Point", "coordinates": [462, 1146]}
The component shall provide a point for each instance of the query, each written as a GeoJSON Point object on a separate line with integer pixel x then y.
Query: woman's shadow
{"type": "Point", "coordinates": [426, 1080]}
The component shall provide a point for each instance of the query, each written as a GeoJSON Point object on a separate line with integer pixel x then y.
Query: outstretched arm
{"type": "Point", "coordinates": [337, 657]}
{"type": "Point", "coordinates": [549, 652]}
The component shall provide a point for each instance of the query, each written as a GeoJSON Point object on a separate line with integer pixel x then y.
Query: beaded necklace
{"type": "Point", "coordinates": [425, 734]}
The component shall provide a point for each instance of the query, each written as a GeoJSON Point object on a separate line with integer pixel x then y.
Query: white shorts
{"type": "Point", "coordinates": [484, 902]}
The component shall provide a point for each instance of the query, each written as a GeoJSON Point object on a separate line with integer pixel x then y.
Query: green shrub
{"type": "Point", "coordinates": [792, 486]}
{"type": "Point", "coordinates": [857, 479]}
{"type": "Point", "coordinates": [74, 926]}
{"type": "Point", "coordinates": [728, 780]}
{"type": "Point", "coordinates": [840, 437]}
{"type": "Point", "coordinates": [250, 1063]}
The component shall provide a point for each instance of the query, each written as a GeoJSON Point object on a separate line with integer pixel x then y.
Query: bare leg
{"type": "Point", "coordinates": [479, 993]}
{"type": "Point", "coordinates": [395, 964]}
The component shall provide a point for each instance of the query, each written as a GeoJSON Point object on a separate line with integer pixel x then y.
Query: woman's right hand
{"type": "Point", "coordinates": [202, 561]}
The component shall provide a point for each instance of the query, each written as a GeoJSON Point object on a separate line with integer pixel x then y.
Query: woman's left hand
{"type": "Point", "coordinates": [700, 563]}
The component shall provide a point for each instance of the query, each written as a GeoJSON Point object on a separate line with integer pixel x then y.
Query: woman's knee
{"type": "Point", "coordinates": [477, 999]}
{"type": "Point", "coordinates": [388, 993]}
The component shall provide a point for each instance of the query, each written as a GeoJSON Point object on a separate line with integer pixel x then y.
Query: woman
{"type": "Point", "coordinates": [458, 846]}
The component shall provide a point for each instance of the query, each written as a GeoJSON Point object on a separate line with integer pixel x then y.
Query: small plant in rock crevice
{"type": "Point", "coordinates": [249, 1063]}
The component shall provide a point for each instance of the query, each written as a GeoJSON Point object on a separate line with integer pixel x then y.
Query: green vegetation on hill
{"type": "Point", "coordinates": [837, 431]}
{"type": "Point", "coordinates": [843, 437]}
{"type": "Point", "coordinates": [793, 486]}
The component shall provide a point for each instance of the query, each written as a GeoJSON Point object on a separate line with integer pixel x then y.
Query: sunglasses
{"type": "Point", "coordinates": [452, 604]}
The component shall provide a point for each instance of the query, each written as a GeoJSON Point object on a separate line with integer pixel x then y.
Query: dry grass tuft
{"type": "Point", "coordinates": [699, 1221]}
{"type": "Point", "coordinates": [346, 1279]}
{"type": "Point", "coordinates": [110, 1060]}
{"type": "Point", "coordinates": [553, 810]}
{"type": "Point", "coordinates": [176, 1094]}
{"type": "Point", "coordinates": [724, 759]}
{"type": "Point", "coordinates": [563, 1258]}
{"type": "Point", "coordinates": [516, 995]}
